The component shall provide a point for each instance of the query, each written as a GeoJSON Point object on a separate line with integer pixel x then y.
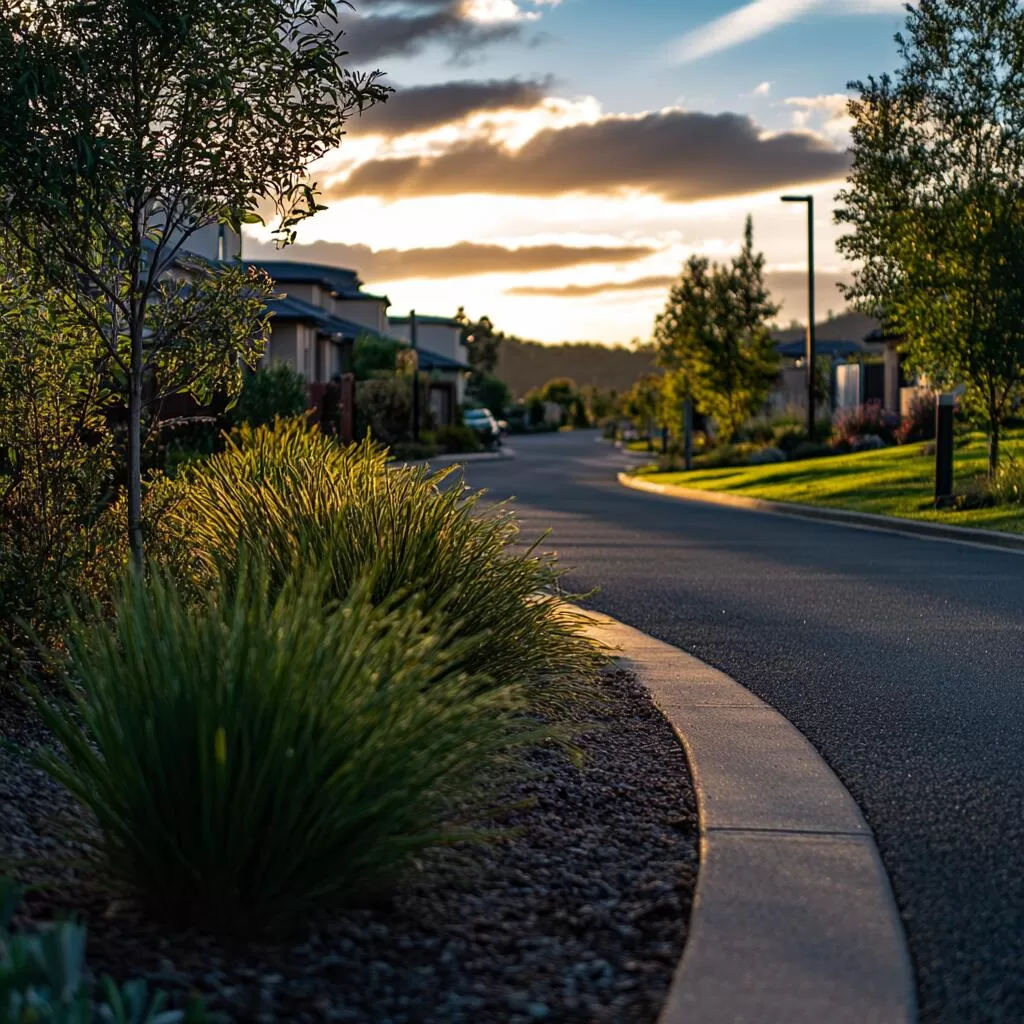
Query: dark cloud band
{"type": "Point", "coordinates": [421, 107]}
{"type": "Point", "coordinates": [461, 260]}
{"type": "Point", "coordinates": [679, 155]}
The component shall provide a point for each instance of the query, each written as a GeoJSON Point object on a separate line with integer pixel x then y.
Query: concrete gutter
{"type": "Point", "coordinates": [861, 520]}
{"type": "Point", "coordinates": [793, 920]}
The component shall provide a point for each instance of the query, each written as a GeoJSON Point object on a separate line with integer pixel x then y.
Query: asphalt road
{"type": "Point", "coordinates": [899, 658]}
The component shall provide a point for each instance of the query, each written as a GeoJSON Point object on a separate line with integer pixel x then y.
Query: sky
{"type": "Point", "coordinates": [553, 163]}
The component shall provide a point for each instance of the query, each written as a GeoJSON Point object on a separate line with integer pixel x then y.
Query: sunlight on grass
{"type": "Point", "coordinates": [893, 482]}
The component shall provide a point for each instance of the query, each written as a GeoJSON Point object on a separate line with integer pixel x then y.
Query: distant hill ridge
{"type": "Point", "coordinates": [525, 365]}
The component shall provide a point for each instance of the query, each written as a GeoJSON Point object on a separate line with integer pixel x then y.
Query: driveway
{"type": "Point", "coordinates": [899, 658]}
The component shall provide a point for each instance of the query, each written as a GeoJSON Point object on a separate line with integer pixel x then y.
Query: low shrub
{"type": "Point", "coordinates": [788, 436]}
{"type": "Point", "coordinates": [43, 978]}
{"type": "Point", "coordinates": [456, 439]}
{"type": "Point", "coordinates": [252, 757]}
{"type": "Point", "coordinates": [767, 457]}
{"type": "Point", "coordinates": [384, 408]}
{"type": "Point", "coordinates": [810, 450]}
{"type": "Point", "coordinates": [725, 455]}
{"type": "Point", "coordinates": [412, 451]}
{"type": "Point", "coordinates": [861, 421]}
{"type": "Point", "coordinates": [272, 391]}
{"type": "Point", "coordinates": [919, 423]}
{"type": "Point", "coordinates": [58, 470]}
{"type": "Point", "coordinates": [300, 500]}
{"type": "Point", "coordinates": [1007, 486]}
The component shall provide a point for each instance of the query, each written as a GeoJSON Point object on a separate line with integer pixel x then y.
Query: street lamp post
{"type": "Point", "coordinates": [415, 378]}
{"type": "Point", "coordinates": [810, 348]}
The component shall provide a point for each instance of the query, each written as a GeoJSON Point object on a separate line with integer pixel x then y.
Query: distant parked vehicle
{"type": "Point", "coordinates": [484, 425]}
{"type": "Point", "coordinates": [630, 434]}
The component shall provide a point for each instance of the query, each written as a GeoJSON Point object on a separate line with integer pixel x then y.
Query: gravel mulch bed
{"type": "Point", "coordinates": [580, 915]}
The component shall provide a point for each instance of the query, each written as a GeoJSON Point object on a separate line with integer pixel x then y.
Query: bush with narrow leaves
{"type": "Point", "coordinates": [300, 500]}
{"type": "Point", "coordinates": [251, 758]}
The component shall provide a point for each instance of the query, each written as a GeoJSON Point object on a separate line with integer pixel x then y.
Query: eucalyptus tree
{"type": "Point", "coordinates": [935, 200]}
{"type": "Point", "coordinates": [129, 127]}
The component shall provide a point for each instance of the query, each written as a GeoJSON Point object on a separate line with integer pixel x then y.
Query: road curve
{"type": "Point", "coordinates": [899, 658]}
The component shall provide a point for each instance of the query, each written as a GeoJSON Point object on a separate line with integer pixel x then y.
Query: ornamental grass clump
{"type": "Point", "coordinates": [252, 758]}
{"type": "Point", "coordinates": [302, 501]}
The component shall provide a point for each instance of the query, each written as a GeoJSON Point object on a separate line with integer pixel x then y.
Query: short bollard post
{"type": "Point", "coordinates": [944, 407]}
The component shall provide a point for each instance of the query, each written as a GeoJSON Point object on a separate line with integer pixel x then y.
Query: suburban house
{"type": "Point", "coordinates": [318, 313]}
{"type": "Point", "coordinates": [442, 357]}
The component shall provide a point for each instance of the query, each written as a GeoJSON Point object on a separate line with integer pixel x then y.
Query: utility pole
{"type": "Point", "coordinates": [415, 377]}
{"type": "Point", "coordinates": [810, 348]}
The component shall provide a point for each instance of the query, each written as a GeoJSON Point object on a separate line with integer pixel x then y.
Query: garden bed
{"type": "Point", "coordinates": [577, 912]}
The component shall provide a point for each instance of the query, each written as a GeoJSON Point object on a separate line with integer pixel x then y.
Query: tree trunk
{"type": "Point", "coordinates": [993, 445]}
{"type": "Point", "coordinates": [135, 469]}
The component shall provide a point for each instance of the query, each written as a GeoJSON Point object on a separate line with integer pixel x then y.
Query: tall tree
{"type": "Point", "coordinates": [482, 341]}
{"type": "Point", "coordinates": [131, 125]}
{"type": "Point", "coordinates": [713, 337]}
{"type": "Point", "coordinates": [935, 200]}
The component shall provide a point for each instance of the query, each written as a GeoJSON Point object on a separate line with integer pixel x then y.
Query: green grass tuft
{"type": "Point", "coordinates": [248, 758]}
{"type": "Point", "coordinates": [298, 500]}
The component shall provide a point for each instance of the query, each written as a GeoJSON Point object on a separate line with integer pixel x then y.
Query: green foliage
{"type": "Point", "coordinates": [131, 126]}
{"type": "Point", "coordinates": [455, 439]}
{"type": "Point", "coordinates": [58, 536]}
{"type": "Point", "coordinates": [491, 392]}
{"type": "Point", "coordinates": [788, 436]}
{"type": "Point", "coordinates": [384, 408]}
{"type": "Point", "coordinates": [934, 201]}
{"type": "Point", "coordinates": [272, 391]}
{"type": "Point", "coordinates": [561, 390]}
{"type": "Point", "coordinates": [299, 500]}
{"type": "Point", "coordinates": [642, 402]}
{"type": "Point", "coordinates": [43, 979]}
{"type": "Point", "coordinates": [714, 334]}
{"type": "Point", "coordinates": [725, 455]}
{"type": "Point", "coordinates": [1007, 486]}
{"type": "Point", "coordinates": [373, 356]}
{"type": "Point", "coordinates": [482, 343]}
{"type": "Point", "coordinates": [250, 758]}
{"type": "Point", "coordinates": [580, 418]}
{"type": "Point", "coordinates": [810, 450]}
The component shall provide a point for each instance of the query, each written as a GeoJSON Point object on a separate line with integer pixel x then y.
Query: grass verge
{"type": "Point", "coordinates": [896, 482]}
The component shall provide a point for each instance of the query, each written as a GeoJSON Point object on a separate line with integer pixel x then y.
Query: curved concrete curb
{"type": "Point", "coordinates": [793, 920]}
{"type": "Point", "coordinates": [863, 520]}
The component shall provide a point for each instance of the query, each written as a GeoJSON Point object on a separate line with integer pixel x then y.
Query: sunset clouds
{"type": "Point", "coordinates": [543, 163]}
{"type": "Point", "coordinates": [678, 155]}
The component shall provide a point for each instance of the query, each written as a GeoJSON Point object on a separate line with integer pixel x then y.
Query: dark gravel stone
{"type": "Point", "coordinates": [577, 913]}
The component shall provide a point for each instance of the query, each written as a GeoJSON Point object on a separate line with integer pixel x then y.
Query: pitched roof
{"type": "Point", "coordinates": [435, 361]}
{"type": "Point", "coordinates": [443, 321]}
{"type": "Point", "coordinates": [291, 307]}
{"type": "Point", "coordinates": [823, 347]}
{"type": "Point", "coordinates": [343, 282]}
{"type": "Point", "coordinates": [839, 328]}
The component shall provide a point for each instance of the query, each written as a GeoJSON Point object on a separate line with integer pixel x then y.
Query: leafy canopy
{"type": "Point", "coordinates": [935, 199]}
{"type": "Point", "coordinates": [713, 338]}
{"type": "Point", "coordinates": [130, 128]}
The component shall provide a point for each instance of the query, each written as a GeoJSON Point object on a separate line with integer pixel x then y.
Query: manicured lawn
{"type": "Point", "coordinates": [894, 482]}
